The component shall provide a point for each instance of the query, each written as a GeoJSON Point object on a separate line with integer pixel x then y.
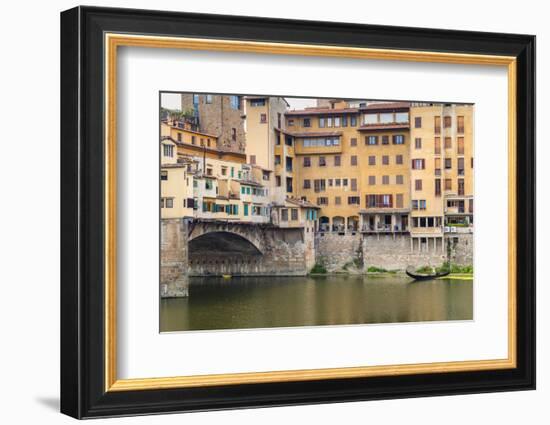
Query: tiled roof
{"type": "Point", "coordinates": [322, 111]}
{"type": "Point", "coordinates": [385, 106]}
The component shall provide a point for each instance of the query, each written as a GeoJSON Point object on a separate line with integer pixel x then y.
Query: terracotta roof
{"type": "Point", "coordinates": [390, 126]}
{"type": "Point", "coordinates": [301, 203]}
{"type": "Point", "coordinates": [386, 106]}
{"type": "Point", "coordinates": [315, 134]}
{"type": "Point", "coordinates": [322, 111]}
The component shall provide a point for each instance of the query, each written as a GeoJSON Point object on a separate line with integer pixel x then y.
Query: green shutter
{"type": "Point", "coordinates": [245, 209]}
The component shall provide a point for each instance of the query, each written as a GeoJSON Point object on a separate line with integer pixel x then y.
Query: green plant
{"type": "Point", "coordinates": [425, 269]}
{"type": "Point", "coordinates": [318, 268]}
{"type": "Point", "coordinates": [374, 269]}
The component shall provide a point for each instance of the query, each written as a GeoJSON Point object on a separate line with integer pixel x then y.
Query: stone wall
{"type": "Point", "coordinates": [174, 265]}
{"type": "Point", "coordinates": [394, 253]}
{"type": "Point", "coordinates": [336, 251]}
{"type": "Point", "coordinates": [461, 249]}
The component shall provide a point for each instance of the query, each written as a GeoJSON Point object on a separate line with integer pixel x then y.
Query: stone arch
{"type": "Point", "coordinates": [223, 243]}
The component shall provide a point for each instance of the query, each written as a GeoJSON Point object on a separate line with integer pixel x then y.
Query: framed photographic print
{"type": "Point", "coordinates": [261, 212]}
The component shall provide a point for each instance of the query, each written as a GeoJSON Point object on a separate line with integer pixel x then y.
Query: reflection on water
{"type": "Point", "coordinates": [263, 302]}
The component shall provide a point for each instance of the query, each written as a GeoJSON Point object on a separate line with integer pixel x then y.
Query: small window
{"type": "Point", "coordinates": [371, 140]}
{"type": "Point", "coordinates": [399, 159]}
{"type": "Point", "coordinates": [385, 160]}
{"type": "Point", "coordinates": [307, 184]}
{"type": "Point", "coordinates": [234, 134]}
{"type": "Point", "coordinates": [253, 159]}
{"type": "Point", "coordinates": [353, 160]}
{"type": "Point", "coordinates": [385, 179]}
{"type": "Point", "coordinates": [208, 98]}
{"type": "Point", "coordinates": [398, 139]}
{"type": "Point", "coordinates": [418, 184]}
{"type": "Point", "coordinates": [460, 125]}
{"type": "Point", "coordinates": [164, 175]}
{"type": "Point", "coordinates": [372, 160]}
{"type": "Point", "coordinates": [290, 123]}
{"type": "Point", "coordinates": [448, 143]}
{"type": "Point", "coordinates": [294, 214]}
{"type": "Point", "coordinates": [337, 160]}
{"type": "Point", "coordinates": [372, 180]}
{"type": "Point", "coordinates": [169, 203]}
{"type": "Point", "coordinates": [418, 122]}
{"type": "Point", "coordinates": [353, 142]}
{"type": "Point", "coordinates": [418, 143]}
{"type": "Point", "coordinates": [321, 122]}
{"type": "Point", "coordinates": [385, 140]}
{"type": "Point", "coordinates": [263, 118]}
{"type": "Point", "coordinates": [399, 179]}
{"type": "Point", "coordinates": [448, 184]}
{"type": "Point", "coordinates": [307, 122]}
{"type": "Point", "coordinates": [447, 122]}
{"type": "Point", "coordinates": [337, 200]}
{"type": "Point", "coordinates": [322, 161]}
{"type": "Point", "coordinates": [448, 163]}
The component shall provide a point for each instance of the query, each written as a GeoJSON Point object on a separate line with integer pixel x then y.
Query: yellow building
{"type": "Point", "coordinates": [441, 173]}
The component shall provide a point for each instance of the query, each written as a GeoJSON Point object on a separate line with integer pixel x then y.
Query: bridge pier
{"type": "Point", "coordinates": [174, 258]}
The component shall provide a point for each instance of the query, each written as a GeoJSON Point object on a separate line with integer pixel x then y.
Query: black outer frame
{"type": "Point", "coordinates": [82, 207]}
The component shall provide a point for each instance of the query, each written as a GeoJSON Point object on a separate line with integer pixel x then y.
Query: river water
{"type": "Point", "coordinates": [265, 302]}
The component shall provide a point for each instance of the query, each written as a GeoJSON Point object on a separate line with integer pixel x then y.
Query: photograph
{"type": "Point", "coordinates": [280, 211]}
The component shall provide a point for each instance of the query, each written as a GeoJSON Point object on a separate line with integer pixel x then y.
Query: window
{"type": "Point", "coordinates": [401, 117]}
{"type": "Point", "coordinates": [208, 98]}
{"type": "Point", "coordinates": [353, 121]}
{"type": "Point", "coordinates": [263, 118]}
{"type": "Point", "coordinates": [284, 214]}
{"type": "Point", "coordinates": [224, 171]}
{"type": "Point", "coordinates": [385, 160]}
{"type": "Point", "coordinates": [288, 140]}
{"type": "Point", "coordinates": [307, 122]}
{"type": "Point", "coordinates": [447, 122]}
{"type": "Point", "coordinates": [294, 214]}
{"type": "Point", "coordinates": [164, 175]}
{"type": "Point", "coordinates": [460, 125]}
{"type": "Point", "coordinates": [417, 122]}
{"type": "Point", "coordinates": [321, 122]}
{"type": "Point", "coordinates": [322, 161]}
{"type": "Point", "coordinates": [472, 162]}
{"type": "Point", "coordinates": [437, 125]}
{"type": "Point", "coordinates": [329, 121]}
{"type": "Point", "coordinates": [398, 139]}
{"type": "Point", "coordinates": [372, 160]}
{"type": "Point", "coordinates": [278, 160]}
{"type": "Point", "coordinates": [337, 200]}
{"type": "Point", "coordinates": [448, 163]}
{"type": "Point", "coordinates": [386, 118]}
{"type": "Point", "coordinates": [399, 200]}
{"type": "Point", "coordinates": [321, 141]}
{"type": "Point", "coordinates": [437, 166]}
{"type": "Point", "coordinates": [399, 179]}
{"type": "Point", "coordinates": [353, 142]}
{"type": "Point", "coordinates": [322, 200]}
{"type": "Point", "coordinates": [370, 119]}
{"type": "Point", "coordinates": [418, 143]}
{"type": "Point", "coordinates": [253, 159]}
{"type": "Point", "coordinates": [278, 181]}
{"type": "Point", "coordinates": [234, 134]}
{"type": "Point", "coordinates": [329, 182]}
{"type": "Point", "coordinates": [437, 145]}
{"type": "Point", "coordinates": [448, 184]}
{"type": "Point", "coordinates": [179, 137]}
{"type": "Point", "coordinates": [193, 140]}
{"type": "Point", "coordinates": [461, 187]}
{"type": "Point", "coordinates": [353, 200]}
{"type": "Point", "coordinates": [385, 140]}
{"type": "Point", "coordinates": [234, 102]}
{"type": "Point", "coordinates": [344, 121]}
{"type": "Point", "coordinates": [437, 187]}
{"type": "Point", "coordinates": [319, 185]}
{"type": "Point", "coordinates": [337, 159]}
{"type": "Point", "coordinates": [290, 122]}
{"type": "Point", "coordinates": [399, 159]}
{"type": "Point", "coordinates": [288, 163]}
{"type": "Point", "coordinates": [353, 159]}
{"type": "Point", "coordinates": [289, 184]}
{"type": "Point", "coordinates": [460, 166]}
{"type": "Point", "coordinates": [460, 145]}
{"type": "Point", "coordinates": [336, 121]}
{"type": "Point", "coordinates": [208, 184]}
{"type": "Point", "coordinates": [257, 102]}
{"type": "Point", "coordinates": [418, 164]}
{"type": "Point", "coordinates": [379, 201]}
{"type": "Point", "coordinates": [337, 182]}
{"type": "Point", "coordinates": [385, 179]}
{"type": "Point", "coordinates": [168, 150]}
{"type": "Point", "coordinates": [353, 184]}
{"type": "Point", "coordinates": [344, 182]}
{"type": "Point", "coordinates": [418, 184]}
{"type": "Point", "coordinates": [419, 204]}
{"type": "Point", "coordinates": [372, 180]}
{"type": "Point", "coordinates": [307, 161]}
{"type": "Point", "coordinates": [195, 99]}
{"type": "Point", "coordinates": [371, 140]}
{"type": "Point", "coordinates": [448, 143]}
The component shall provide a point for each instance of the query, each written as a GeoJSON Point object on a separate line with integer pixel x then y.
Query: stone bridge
{"type": "Point", "coordinates": [214, 248]}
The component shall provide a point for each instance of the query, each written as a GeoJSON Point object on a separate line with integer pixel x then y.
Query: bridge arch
{"type": "Point", "coordinates": [222, 243]}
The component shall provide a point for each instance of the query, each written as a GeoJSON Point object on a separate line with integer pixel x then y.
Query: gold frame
{"type": "Point", "coordinates": [113, 41]}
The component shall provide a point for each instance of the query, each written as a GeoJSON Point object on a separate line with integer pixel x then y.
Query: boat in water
{"type": "Point", "coordinates": [425, 276]}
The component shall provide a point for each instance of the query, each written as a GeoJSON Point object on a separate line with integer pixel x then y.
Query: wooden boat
{"type": "Point", "coordinates": [226, 276]}
{"type": "Point", "coordinates": [425, 276]}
